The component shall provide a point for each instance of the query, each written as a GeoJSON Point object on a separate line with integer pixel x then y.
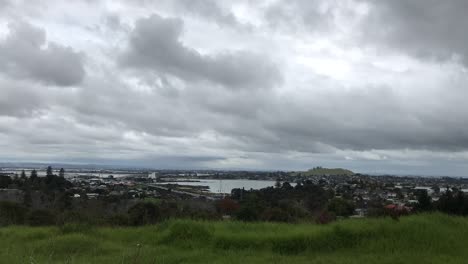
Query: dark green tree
{"type": "Point", "coordinates": [27, 196]}
{"type": "Point", "coordinates": [41, 218]}
{"type": "Point", "coordinates": [278, 183]}
{"type": "Point", "coordinates": [33, 177]}
{"type": "Point", "coordinates": [144, 213]}
{"type": "Point", "coordinates": [424, 201]}
{"type": "Point", "coordinates": [23, 175]}
{"type": "Point", "coordinates": [50, 172]}
{"type": "Point", "coordinates": [5, 181]}
{"type": "Point", "coordinates": [62, 173]}
{"type": "Point", "coordinates": [341, 207]}
{"type": "Point", "coordinates": [11, 213]}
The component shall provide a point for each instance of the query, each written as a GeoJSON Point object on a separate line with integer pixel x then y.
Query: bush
{"type": "Point", "coordinates": [41, 218]}
{"type": "Point", "coordinates": [247, 213]}
{"type": "Point", "coordinates": [341, 207]}
{"type": "Point", "coordinates": [188, 231]}
{"type": "Point", "coordinates": [12, 213]}
{"type": "Point", "coordinates": [227, 206]}
{"type": "Point", "coordinates": [144, 213]}
{"type": "Point", "coordinates": [75, 228]}
{"type": "Point", "coordinates": [118, 220]}
{"type": "Point", "coordinates": [325, 217]}
{"type": "Point", "coordinates": [276, 215]}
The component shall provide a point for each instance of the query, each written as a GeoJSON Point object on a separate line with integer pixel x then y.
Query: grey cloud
{"type": "Point", "coordinates": [218, 11]}
{"type": "Point", "coordinates": [425, 29]}
{"type": "Point", "coordinates": [5, 6]}
{"type": "Point", "coordinates": [19, 99]}
{"type": "Point", "coordinates": [113, 21]}
{"type": "Point", "coordinates": [163, 104]}
{"type": "Point", "coordinates": [208, 9]}
{"type": "Point", "coordinates": [309, 15]}
{"type": "Point", "coordinates": [154, 44]}
{"type": "Point", "coordinates": [23, 54]}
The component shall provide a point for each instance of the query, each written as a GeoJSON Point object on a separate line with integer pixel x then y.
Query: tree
{"type": "Point", "coordinates": [278, 183]}
{"type": "Point", "coordinates": [27, 196]}
{"type": "Point", "coordinates": [247, 213]}
{"type": "Point", "coordinates": [11, 213]}
{"type": "Point", "coordinates": [424, 201]}
{"type": "Point", "coordinates": [49, 171]}
{"type": "Point", "coordinates": [144, 213]}
{"type": "Point", "coordinates": [41, 218]}
{"type": "Point", "coordinates": [23, 175]}
{"type": "Point", "coordinates": [63, 201]}
{"type": "Point", "coordinates": [62, 173]}
{"type": "Point", "coordinates": [341, 207]}
{"type": "Point", "coordinates": [33, 177]}
{"type": "Point", "coordinates": [276, 214]}
{"type": "Point", "coordinates": [5, 181]}
{"type": "Point", "coordinates": [227, 206]}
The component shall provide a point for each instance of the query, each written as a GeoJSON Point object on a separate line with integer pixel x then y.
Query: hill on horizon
{"type": "Point", "coordinates": [320, 171]}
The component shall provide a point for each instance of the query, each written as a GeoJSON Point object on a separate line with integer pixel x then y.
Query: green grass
{"type": "Point", "coordinates": [430, 238]}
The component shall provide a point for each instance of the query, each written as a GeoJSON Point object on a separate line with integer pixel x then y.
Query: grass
{"type": "Point", "coordinates": [427, 238]}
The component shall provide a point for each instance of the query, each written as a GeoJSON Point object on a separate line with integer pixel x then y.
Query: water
{"type": "Point", "coordinates": [225, 186]}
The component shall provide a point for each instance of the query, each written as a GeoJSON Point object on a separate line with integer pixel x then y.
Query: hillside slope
{"type": "Point", "coordinates": [319, 171]}
{"type": "Point", "coordinates": [434, 238]}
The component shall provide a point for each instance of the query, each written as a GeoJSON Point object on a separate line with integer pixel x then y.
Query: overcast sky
{"type": "Point", "coordinates": [373, 86]}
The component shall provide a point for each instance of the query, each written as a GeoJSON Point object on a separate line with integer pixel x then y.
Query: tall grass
{"type": "Point", "coordinates": [427, 238]}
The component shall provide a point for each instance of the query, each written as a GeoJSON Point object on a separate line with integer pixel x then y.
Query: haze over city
{"type": "Point", "coordinates": [373, 86]}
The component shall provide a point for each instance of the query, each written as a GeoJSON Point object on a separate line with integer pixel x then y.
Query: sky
{"type": "Point", "coordinates": [372, 86]}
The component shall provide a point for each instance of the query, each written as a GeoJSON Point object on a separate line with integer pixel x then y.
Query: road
{"type": "Point", "coordinates": [195, 195]}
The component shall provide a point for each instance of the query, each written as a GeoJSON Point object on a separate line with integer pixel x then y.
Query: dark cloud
{"type": "Point", "coordinates": [25, 54]}
{"type": "Point", "coordinates": [155, 45]}
{"type": "Point", "coordinates": [422, 28]}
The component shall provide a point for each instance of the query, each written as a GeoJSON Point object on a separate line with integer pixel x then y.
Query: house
{"type": "Point", "coordinates": [92, 195]}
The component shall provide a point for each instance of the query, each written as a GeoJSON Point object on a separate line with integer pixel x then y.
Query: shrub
{"type": "Point", "coordinates": [41, 218]}
{"type": "Point", "coordinates": [144, 213]}
{"type": "Point", "coordinates": [276, 215]}
{"type": "Point", "coordinates": [247, 213]}
{"type": "Point", "coordinates": [181, 231]}
{"type": "Point", "coordinates": [75, 228]}
{"type": "Point", "coordinates": [12, 213]}
{"type": "Point", "coordinates": [227, 206]}
{"type": "Point", "coordinates": [341, 207]}
{"type": "Point", "coordinates": [118, 220]}
{"type": "Point", "coordinates": [325, 217]}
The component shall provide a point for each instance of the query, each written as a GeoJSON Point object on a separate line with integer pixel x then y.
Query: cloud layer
{"type": "Point", "coordinates": [24, 54]}
{"type": "Point", "coordinates": [373, 86]}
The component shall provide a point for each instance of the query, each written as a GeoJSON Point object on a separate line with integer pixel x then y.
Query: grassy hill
{"type": "Point", "coordinates": [319, 171]}
{"type": "Point", "coordinates": [433, 238]}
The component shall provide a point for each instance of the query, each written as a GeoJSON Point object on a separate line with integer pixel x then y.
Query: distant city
{"type": "Point", "coordinates": [364, 192]}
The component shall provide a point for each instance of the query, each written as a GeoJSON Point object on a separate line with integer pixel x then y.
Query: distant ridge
{"type": "Point", "coordinates": [319, 171]}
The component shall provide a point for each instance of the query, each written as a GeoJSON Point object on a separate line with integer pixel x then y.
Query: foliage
{"type": "Point", "coordinates": [41, 218]}
{"type": "Point", "coordinates": [319, 171]}
{"type": "Point", "coordinates": [11, 213]}
{"type": "Point", "coordinates": [144, 213]}
{"type": "Point", "coordinates": [425, 238]}
{"type": "Point", "coordinates": [227, 206]}
{"type": "Point", "coordinates": [285, 204]}
{"type": "Point", "coordinates": [453, 203]}
{"type": "Point", "coordinates": [341, 207]}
